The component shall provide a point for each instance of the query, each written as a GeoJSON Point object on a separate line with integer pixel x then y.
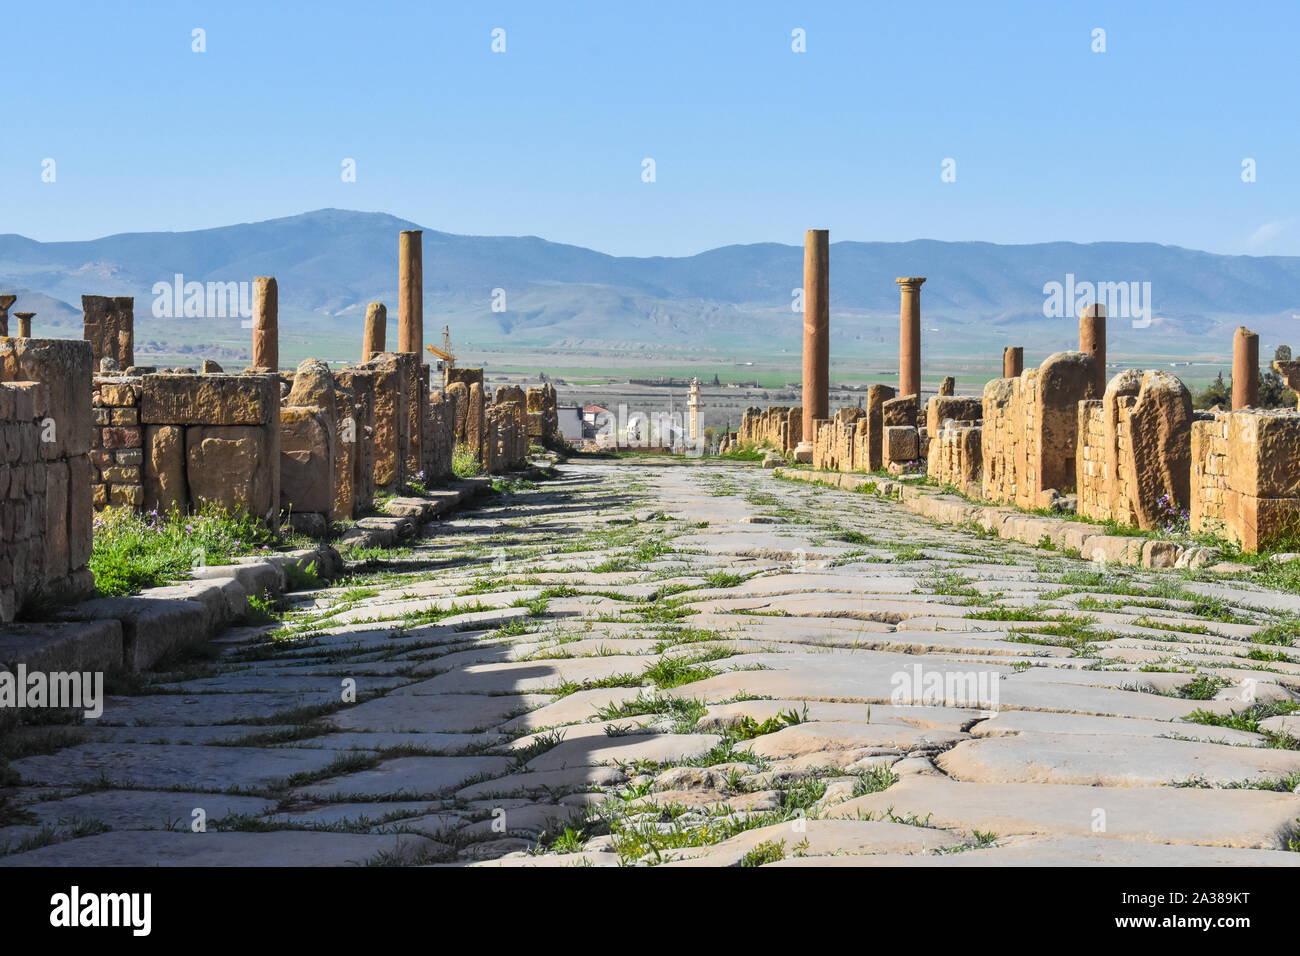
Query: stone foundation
{"type": "Point", "coordinates": [45, 472]}
{"type": "Point", "coordinates": [1245, 475]}
{"type": "Point", "coordinates": [1031, 430]}
{"type": "Point", "coordinates": [1134, 450]}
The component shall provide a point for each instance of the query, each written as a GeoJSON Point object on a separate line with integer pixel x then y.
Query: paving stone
{"type": "Point", "coordinates": [1236, 818]}
{"type": "Point", "coordinates": [1095, 760]}
{"type": "Point", "coordinates": [279, 848]}
{"type": "Point", "coordinates": [165, 766]}
{"type": "Point", "coordinates": [408, 777]}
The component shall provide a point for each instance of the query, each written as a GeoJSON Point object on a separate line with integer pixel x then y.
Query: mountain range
{"type": "Point", "coordinates": [330, 263]}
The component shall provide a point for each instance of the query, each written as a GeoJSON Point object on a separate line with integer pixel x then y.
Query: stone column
{"type": "Point", "coordinates": [909, 336]}
{"type": "Point", "coordinates": [5, 302]}
{"type": "Point", "coordinates": [410, 302]}
{"type": "Point", "coordinates": [1013, 361]}
{"type": "Point", "coordinates": [948, 386]}
{"type": "Point", "coordinates": [1092, 339]}
{"type": "Point", "coordinates": [372, 343]}
{"type": "Point", "coordinates": [1245, 368]}
{"type": "Point", "coordinates": [25, 324]}
{"type": "Point", "coordinates": [266, 323]}
{"type": "Point", "coordinates": [108, 324]}
{"type": "Point", "coordinates": [816, 330]}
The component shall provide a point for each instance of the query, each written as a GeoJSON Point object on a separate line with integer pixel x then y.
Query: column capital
{"type": "Point", "coordinates": [910, 280]}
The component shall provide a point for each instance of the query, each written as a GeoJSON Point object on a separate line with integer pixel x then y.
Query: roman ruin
{"type": "Point", "coordinates": [266, 324]}
{"type": "Point", "coordinates": [1245, 369]}
{"type": "Point", "coordinates": [108, 324]}
{"type": "Point", "coordinates": [376, 331]}
{"type": "Point", "coordinates": [410, 301]}
{"type": "Point", "coordinates": [816, 334]}
{"type": "Point", "coordinates": [909, 335]}
{"type": "Point", "coordinates": [6, 301]}
{"type": "Point", "coordinates": [1092, 339]}
{"type": "Point", "coordinates": [901, 568]}
{"type": "Point", "coordinates": [1013, 361]}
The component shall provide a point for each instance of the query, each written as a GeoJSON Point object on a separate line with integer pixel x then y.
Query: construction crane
{"type": "Point", "coordinates": [447, 358]}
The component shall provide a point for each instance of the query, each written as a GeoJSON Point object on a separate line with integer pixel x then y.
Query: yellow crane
{"type": "Point", "coordinates": [445, 354]}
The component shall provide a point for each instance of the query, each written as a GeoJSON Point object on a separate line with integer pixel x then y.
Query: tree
{"type": "Point", "coordinates": [1273, 393]}
{"type": "Point", "coordinates": [1218, 393]}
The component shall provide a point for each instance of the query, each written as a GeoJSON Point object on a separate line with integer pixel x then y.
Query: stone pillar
{"type": "Point", "coordinates": [24, 324]}
{"type": "Point", "coordinates": [909, 336]}
{"type": "Point", "coordinates": [410, 303]}
{"type": "Point", "coordinates": [108, 324]}
{"type": "Point", "coordinates": [1013, 361]}
{"type": "Point", "coordinates": [266, 323]}
{"type": "Point", "coordinates": [948, 386]}
{"type": "Point", "coordinates": [5, 302]}
{"type": "Point", "coordinates": [816, 330]}
{"type": "Point", "coordinates": [372, 343]}
{"type": "Point", "coordinates": [1092, 339]}
{"type": "Point", "coordinates": [1245, 368]}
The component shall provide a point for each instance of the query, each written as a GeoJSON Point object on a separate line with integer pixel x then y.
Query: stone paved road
{"type": "Point", "coordinates": [699, 665]}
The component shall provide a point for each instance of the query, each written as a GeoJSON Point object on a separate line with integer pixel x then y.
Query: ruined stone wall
{"type": "Point", "coordinates": [1134, 450]}
{"type": "Point", "coordinates": [391, 420]}
{"type": "Point", "coordinates": [203, 439]}
{"type": "Point", "coordinates": [1031, 429]}
{"type": "Point", "coordinates": [45, 439]}
{"type": "Point", "coordinates": [1094, 463]}
{"type": "Point", "coordinates": [1245, 475]}
{"type": "Point", "coordinates": [117, 452]}
{"type": "Point", "coordinates": [835, 443]}
{"type": "Point", "coordinates": [314, 462]}
{"type": "Point", "coordinates": [777, 427]}
{"type": "Point", "coordinates": [108, 324]}
{"type": "Point", "coordinates": [440, 436]}
{"type": "Point", "coordinates": [543, 417]}
{"type": "Point", "coordinates": [510, 409]}
{"type": "Point", "coordinates": [956, 457]}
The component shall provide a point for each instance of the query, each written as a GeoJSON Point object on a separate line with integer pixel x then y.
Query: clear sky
{"type": "Point", "coordinates": [752, 142]}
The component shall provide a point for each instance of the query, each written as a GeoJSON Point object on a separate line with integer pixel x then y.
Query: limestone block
{"type": "Point", "coordinates": [306, 461]}
{"type": "Point", "coordinates": [1265, 458]}
{"type": "Point", "coordinates": [230, 466]}
{"type": "Point", "coordinates": [901, 443]}
{"type": "Point", "coordinates": [209, 399]}
{"type": "Point", "coordinates": [164, 469]}
{"type": "Point", "coordinates": [64, 367]}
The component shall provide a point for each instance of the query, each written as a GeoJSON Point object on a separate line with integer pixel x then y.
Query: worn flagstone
{"type": "Point", "coordinates": [691, 663]}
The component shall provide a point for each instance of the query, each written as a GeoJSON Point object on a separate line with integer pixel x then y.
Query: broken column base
{"type": "Point", "coordinates": [803, 453]}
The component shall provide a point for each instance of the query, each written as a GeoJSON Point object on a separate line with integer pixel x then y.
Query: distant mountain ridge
{"type": "Point", "coordinates": [331, 262]}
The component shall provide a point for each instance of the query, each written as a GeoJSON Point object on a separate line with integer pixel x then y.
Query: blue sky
{"type": "Point", "coordinates": [752, 142]}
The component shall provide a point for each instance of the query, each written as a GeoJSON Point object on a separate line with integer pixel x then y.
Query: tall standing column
{"type": "Point", "coordinates": [1245, 368]}
{"type": "Point", "coordinates": [5, 302]}
{"type": "Point", "coordinates": [410, 302]}
{"type": "Point", "coordinates": [376, 330]}
{"type": "Point", "coordinates": [909, 336]}
{"type": "Point", "coordinates": [266, 323]}
{"type": "Point", "coordinates": [1092, 339]}
{"type": "Point", "coordinates": [1013, 361]}
{"type": "Point", "coordinates": [816, 329]}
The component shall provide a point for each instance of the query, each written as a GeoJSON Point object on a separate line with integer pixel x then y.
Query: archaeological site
{"type": "Point", "coordinates": [476, 464]}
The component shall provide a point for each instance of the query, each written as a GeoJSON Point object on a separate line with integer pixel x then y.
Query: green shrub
{"type": "Point", "coordinates": [464, 463]}
{"type": "Point", "coordinates": [133, 551]}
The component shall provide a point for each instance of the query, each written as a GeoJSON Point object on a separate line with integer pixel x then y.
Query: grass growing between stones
{"type": "Point", "coordinates": [1249, 720]}
{"type": "Point", "coordinates": [132, 551]}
